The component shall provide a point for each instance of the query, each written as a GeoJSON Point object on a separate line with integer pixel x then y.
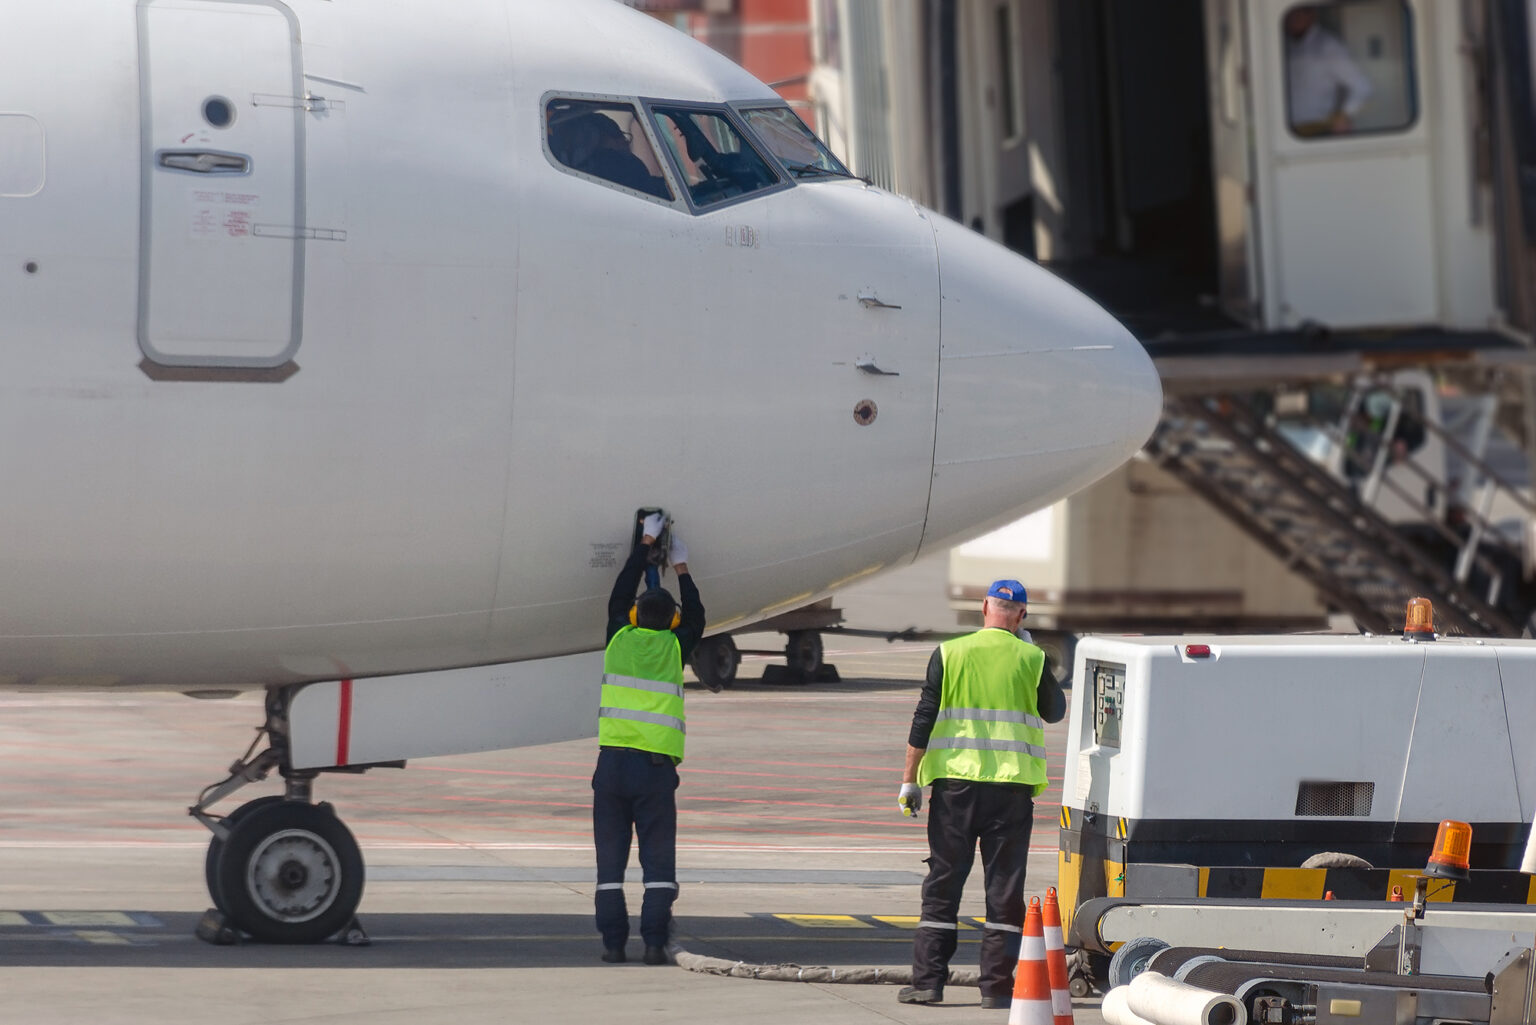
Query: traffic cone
{"type": "Point", "coordinates": [1056, 960]}
{"type": "Point", "coordinates": [1031, 981]}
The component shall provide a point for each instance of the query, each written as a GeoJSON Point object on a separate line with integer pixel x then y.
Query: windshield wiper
{"type": "Point", "coordinates": [803, 170]}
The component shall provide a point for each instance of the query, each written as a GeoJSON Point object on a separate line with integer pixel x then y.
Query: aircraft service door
{"type": "Point", "coordinates": [221, 254]}
{"type": "Point", "coordinates": [1343, 162]}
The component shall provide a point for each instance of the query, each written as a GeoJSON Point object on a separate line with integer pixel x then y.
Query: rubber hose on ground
{"type": "Point", "coordinates": [854, 974]}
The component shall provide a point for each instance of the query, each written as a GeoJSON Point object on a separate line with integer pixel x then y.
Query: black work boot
{"type": "Point", "coordinates": [913, 995]}
{"type": "Point", "coordinates": [995, 1002]}
{"type": "Point", "coordinates": [655, 955]}
{"type": "Point", "coordinates": [614, 955]}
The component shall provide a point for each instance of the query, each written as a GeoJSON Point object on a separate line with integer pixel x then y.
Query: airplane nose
{"type": "Point", "coordinates": [1041, 392]}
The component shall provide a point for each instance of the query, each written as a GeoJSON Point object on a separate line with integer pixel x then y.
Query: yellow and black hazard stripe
{"type": "Point", "coordinates": [1100, 856]}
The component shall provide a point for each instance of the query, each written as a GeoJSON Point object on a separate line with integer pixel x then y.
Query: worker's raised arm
{"type": "Point", "coordinates": [690, 628]}
{"type": "Point", "coordinates": [628, 583]}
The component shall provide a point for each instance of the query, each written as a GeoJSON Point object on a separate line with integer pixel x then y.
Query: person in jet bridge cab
{"type": "Point", "coordinates": [978, 735]}
{"type": "Point", "coordinates": [640, 734]}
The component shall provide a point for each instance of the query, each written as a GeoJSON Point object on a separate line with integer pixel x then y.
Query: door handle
{"type": "Point", "coordinates": [872, 302]}
{"type": "Point", "coordinates": [867, 364]}
{"type": "Point", "coordinates": [204, 162]}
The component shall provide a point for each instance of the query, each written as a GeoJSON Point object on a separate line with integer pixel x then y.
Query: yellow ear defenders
{"type": "Point", "coordinates": [634, 617]}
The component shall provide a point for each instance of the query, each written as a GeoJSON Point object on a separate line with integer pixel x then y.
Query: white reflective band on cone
{"type": "Point", "coordinates": [1168, 1002]}
{"type": "Point", "coordinates": [1115, 1010]}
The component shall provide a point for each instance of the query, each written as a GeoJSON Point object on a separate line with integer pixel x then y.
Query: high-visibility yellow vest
{"type": "Point", "coordinates": [988, 727]}
{"type": "Point", "coordinates": [642, 702]}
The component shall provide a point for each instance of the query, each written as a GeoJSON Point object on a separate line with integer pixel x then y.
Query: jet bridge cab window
{"type": "Point", "coordinates": [1349, 68]}
{"type": "Point", "coordinates": [606, 140]}
{"type": "Point", "coordinates": [715, 161]}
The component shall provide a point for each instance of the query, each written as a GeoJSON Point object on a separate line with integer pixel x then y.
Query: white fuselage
{"type": "Point", "coordinates": [387, 401]}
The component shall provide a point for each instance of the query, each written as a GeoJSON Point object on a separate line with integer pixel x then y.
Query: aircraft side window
{"type": "Point", "coordinates": [716, 162]}
{"type": "Point", "coordinates": [1349, 68]}
{"type": "Point", "coordinates": [605, 140]}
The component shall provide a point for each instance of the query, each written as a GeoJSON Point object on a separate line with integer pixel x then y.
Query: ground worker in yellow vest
{"type": "Point", "coordinates": [978, 735]}
{"type": "Point", "coordinates": [640, 732]}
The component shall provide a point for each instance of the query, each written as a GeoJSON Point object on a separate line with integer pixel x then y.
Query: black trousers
{"type": "Point", "coordinates": [961, 813]}
{"type": "Point", "coordinates": [634, 793]}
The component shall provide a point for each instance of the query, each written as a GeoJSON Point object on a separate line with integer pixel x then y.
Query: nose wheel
{"type": "Point", "coordinates": [280, 869]}
{"type": "Point", "coordinates": [288, 872]}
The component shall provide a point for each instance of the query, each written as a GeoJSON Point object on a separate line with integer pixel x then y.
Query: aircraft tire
{"type": "Point", "coordinates": [714, 661]}
{"type": "Point", "coordinates": [216, 847]}
{"type": "Point", "coordinates": [803, 652]}
{"type": "Point", "coordinates": [291, 873]}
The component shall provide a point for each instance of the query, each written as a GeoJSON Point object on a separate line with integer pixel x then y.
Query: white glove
{"type": "Point", "coordinates": [678, 553]}
{"type": "Point", "coordinates": [910, 800]}
{"type": "Point", "coordinates": [653, 525]}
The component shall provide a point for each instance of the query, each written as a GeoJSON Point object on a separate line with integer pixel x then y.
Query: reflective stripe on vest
{"type": "Point", "coordinates": [670, 721]}
{"type": "Point", "coordinates": [986, 744]}
{"type": "Point", "coordinates": [988, 728]}
{"type": "Point", "coordinates": [642, 702]}
{"type": "Point", "coordinates": [992, 715]}
{"type": "Point", "coordinates": [656, 686]}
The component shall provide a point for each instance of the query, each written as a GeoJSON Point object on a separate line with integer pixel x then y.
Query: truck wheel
{"type": "Point", "coordinates": [1132, 959]}
{"type": "Point", "coordinates": [714, 661]}
{"type": "Point", "coordinates": [802, 650]}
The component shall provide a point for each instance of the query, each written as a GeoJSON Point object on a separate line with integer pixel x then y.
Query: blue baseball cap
{"type": "Point", "coordinates": [1008, 590]}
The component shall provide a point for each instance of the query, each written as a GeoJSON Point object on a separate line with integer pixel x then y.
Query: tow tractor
{"type": "Point", "coordinates": [1238, 814]}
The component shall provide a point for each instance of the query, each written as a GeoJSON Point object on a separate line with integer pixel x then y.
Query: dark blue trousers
{"type": "Point", "coordinates": [635, 793]}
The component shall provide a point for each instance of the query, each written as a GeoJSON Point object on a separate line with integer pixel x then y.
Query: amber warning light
{"type": "Point", "coordinates": [1419, 623]}
{"type": "Point", "coordinates": [1451, 857]}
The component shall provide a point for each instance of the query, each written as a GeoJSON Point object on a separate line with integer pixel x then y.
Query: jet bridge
{"type": "Point", "coordinates": [1333, 490]}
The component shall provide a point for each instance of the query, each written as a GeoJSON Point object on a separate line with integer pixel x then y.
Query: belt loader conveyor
{"type": "Point", "coordinates": [1472, 963]}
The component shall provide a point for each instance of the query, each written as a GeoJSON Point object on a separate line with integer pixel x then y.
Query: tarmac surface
{"type": "Point", "coordinates": [479, 886]}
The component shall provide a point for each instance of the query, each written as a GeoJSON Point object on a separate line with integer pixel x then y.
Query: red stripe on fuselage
{"type": "Point", "coordinates": [344, 723]}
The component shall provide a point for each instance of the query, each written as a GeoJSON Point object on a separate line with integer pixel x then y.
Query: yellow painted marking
{"type": "Point", "coordinates": [1114, 879]}
{"type": "Point", "coordinates": [824, 921]}
{"type": "Point", "coordinates": [87, 918]}
{"type": "Point", "coordinates": [1120, 829]}
{"type": "Point", "coordinates": [1440, 890]}
{"type": "Point", "coordinates": [1293, 883]}
{"type": "Point", "coordinates": [17, 918]}
{"type": "Point", "coordinates": [109, 938]}
{"type": "Point", "coordinates": [1205, 881]}
{"type": "Point", "coordinates": [1530, 896]}
{"type": "Point", "coordinates": [1066, 819]}
{"type": "Point", "coordinates": [1068, 871]}
{"type": "Point", "coordinates": [902, 921]}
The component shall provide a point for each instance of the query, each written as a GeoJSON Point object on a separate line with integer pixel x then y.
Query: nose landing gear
{"type": "Point", "coordinates": [279, 869]}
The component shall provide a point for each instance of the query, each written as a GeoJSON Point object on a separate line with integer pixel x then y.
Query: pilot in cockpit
{"type": "Point", "coordinates": [594, 143]}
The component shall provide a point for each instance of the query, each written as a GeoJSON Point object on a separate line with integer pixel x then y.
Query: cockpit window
{"type": "Point", "coordinates": [716, 162]}
{"type": "Point", "coordinates": [606, 140]}
{"type": "Point", "coordinates": [796, 146]}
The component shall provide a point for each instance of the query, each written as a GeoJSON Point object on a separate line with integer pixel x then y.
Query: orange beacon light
{"type": "Point", "coordinates": [1451, 856]}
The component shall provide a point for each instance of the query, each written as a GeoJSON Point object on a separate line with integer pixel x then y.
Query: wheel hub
{"type": "Point", "coordinates": [293, 875]}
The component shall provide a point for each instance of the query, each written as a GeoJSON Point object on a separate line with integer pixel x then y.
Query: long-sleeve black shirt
{"type": "Point", "coordinates": [688, 632]}
{"type": "Point", "coordinates": [1050, 699]}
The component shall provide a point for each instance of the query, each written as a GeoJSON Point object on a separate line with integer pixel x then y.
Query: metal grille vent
{"type": "Point", "coordinates": [1334, 798]}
